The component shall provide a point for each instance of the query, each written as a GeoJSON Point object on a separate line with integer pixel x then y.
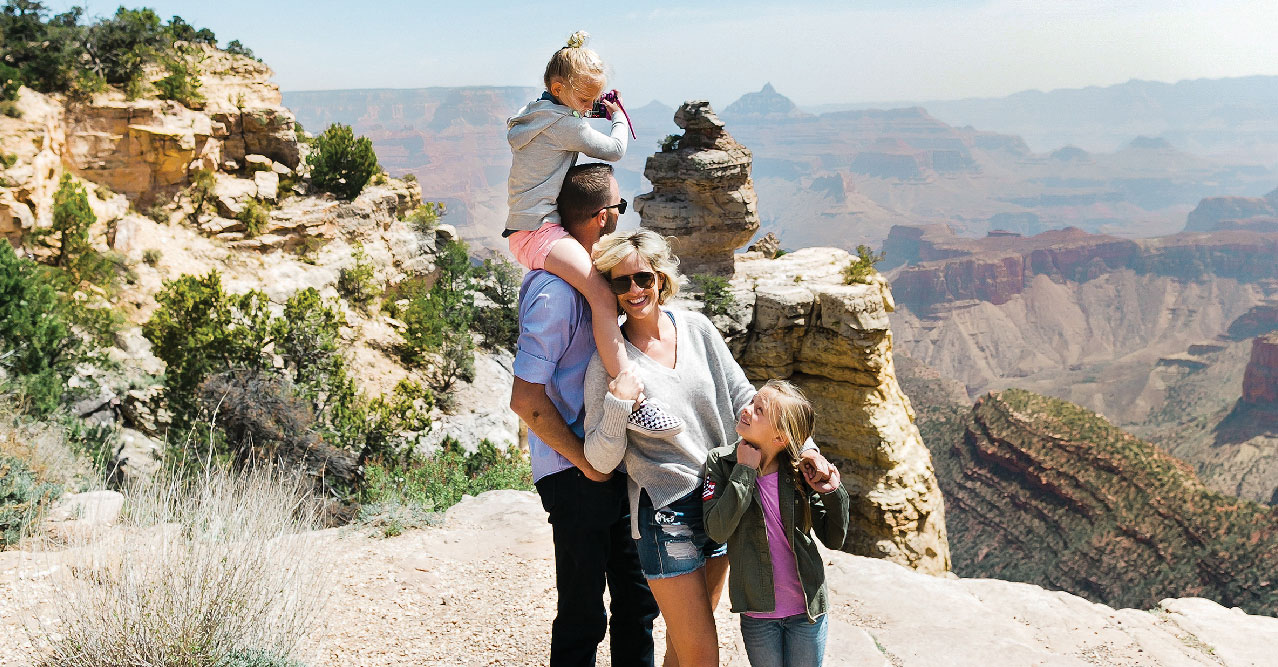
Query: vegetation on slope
{"type": "Point", "coordinates": [1044, 491]}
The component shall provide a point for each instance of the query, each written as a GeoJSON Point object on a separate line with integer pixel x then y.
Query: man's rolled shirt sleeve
{"type": "Point", "coordinates": [544, 331]}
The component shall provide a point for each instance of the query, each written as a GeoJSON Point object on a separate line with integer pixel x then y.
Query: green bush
{"type": "Point", "coordinates": [861, 269]}
{"type": "Point", "coordinates": [181, 84]}
{"type": "Point", "coordinates": [44, 334]}
{"type": "Point", "coordinates": [255, 216]}
{"type": "Point", "coordinates": [22, 499]}
{"type": "Point", "coordinates": [498, 321]}
{"type": "Point", "coordinates": [238, 49]}
{"type": "Point", "coordinates": [357, 282]}
{"type": "Point", "coordinates": [340, 163]}
{"type": "Point", "coordinates": [670, 143]}
{"type": "Point", "coordinates": [199, 329]}
{"type": "Point", "coordinates": [72, 219]}
{"type": "Point", "coordinates": [425, 218]}
{"type": "Point", "coordinates": [10, 83]}
{"type": "Point", "coordinates": [438, 322]}
{"type": "Point", "coordinates": [716, 294]}
{"type": "Point", "coordinates": [151, 256]}
{"type": "Point", "coordinates": [437, 482]}
{"type": "Point", "coordinates": [257, 658]}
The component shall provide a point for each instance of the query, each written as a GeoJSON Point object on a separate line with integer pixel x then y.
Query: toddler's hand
{"type": "Point", "coordinates": [613, 108]}
{"type": "Point", "coordinates": [748, 455]}
{"type": "Point", "coordinates": [627, 386]}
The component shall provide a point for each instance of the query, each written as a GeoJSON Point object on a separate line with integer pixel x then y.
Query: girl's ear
{"type": "Point", "coordinates": [557, 89]}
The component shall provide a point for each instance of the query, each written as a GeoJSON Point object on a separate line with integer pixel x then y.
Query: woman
{"type": "Point", "coordinates": [680, 361]}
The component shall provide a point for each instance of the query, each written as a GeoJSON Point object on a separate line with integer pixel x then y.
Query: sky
{"type": "Point", "coordinates": [855, 51]}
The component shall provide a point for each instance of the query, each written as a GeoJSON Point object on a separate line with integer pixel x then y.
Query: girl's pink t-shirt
{"type": "Point", "coordinates": [786, 588]}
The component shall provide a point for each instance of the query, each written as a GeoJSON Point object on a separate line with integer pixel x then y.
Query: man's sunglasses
{"type": "Point", "coordinates": [621, 284]}
{"type": "Point", "coordinates": [621, 208]}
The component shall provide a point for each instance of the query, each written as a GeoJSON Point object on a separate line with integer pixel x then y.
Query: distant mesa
{"type": "Point", "coordinates": [1257, 321]}
{"type": "Point", "coordinates": [1070, 154]}
{"type": "Point", "coordinates": [1144, 143]}
{"type": "Point", "coordinates": [767, 103]}
{"type": "Point", "coordinates": [1214, 213]}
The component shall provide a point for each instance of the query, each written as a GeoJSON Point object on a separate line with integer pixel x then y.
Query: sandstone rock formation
{"type": "Point", "coordinates": [1042, 491]}
{"type": "Point", "coordinates": [1260, 381]}
{"type": "Point", "coordinates": [702, 195]}
{"type": "Point", "coordinates": [797, 320]}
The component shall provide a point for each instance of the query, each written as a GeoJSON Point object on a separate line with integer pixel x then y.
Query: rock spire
{"type": "Point", "coordinates": [702, 195]}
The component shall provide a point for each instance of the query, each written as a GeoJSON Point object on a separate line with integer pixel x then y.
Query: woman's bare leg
{"type": "Point", "coordinates": [691, 639]}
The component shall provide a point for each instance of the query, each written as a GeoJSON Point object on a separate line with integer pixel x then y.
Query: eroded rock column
{"type": "Point", "coordinates": [702, 196]}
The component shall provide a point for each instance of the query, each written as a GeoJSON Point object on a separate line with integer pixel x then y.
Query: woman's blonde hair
{"type": "Point", "coordinates": [791, 415]}
{"type": "Point", "coordinates": [614, 248]}
{"type": "Point", "coordinates": [574, 62]}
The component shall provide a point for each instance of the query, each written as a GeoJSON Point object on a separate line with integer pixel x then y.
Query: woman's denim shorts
{"type": "Point", "coordinates": [672, 540]}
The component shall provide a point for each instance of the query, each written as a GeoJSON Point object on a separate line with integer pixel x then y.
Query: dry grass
{"type": "Point", "coordinates": [43, 446]}
{"type": "Point", "coordinates": [202, 569]}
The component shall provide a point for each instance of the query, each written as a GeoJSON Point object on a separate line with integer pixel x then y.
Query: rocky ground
{"type": "Point", "coordinates": [479, 590]}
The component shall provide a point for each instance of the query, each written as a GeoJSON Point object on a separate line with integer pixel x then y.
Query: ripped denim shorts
{"type": "Point", "coordinates": [672, 540]}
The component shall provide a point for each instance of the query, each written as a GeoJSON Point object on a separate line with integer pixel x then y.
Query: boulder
{"type": "Point", "coordinates": [255, 163]}
{"type": "Point", "coordinates": [268, 185]}
{"type": "Point", "coordinates": [834, 342]}
{"type": "Point", "coordinates": [230, 194]}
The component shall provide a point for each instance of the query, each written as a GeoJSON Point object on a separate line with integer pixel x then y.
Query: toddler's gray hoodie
{"type": "Point", "coordinates": [545, 138]}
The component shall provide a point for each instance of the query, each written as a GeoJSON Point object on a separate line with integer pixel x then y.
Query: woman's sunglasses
{"type": "Point", "coordinates": [621, 208]}
{"type": "Point", "coordinates": [621, 284]}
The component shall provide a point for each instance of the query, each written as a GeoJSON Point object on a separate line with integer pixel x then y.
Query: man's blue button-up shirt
{"type": "Point", "coordinates": [556, 343]}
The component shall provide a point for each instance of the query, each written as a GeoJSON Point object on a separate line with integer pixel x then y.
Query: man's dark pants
{"type": "Point", "coordinates": [590, 522]}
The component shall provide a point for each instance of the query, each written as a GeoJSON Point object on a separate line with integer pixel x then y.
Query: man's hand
{"type": "Point", "coordinates": [830, 483]}
{"type": "Point", "coordinates": [594, 475]}
{"type": "Point", "coordinates": [627, 386]}
{"type": "Point", "coordinates": [816, 470]}
{"type": "Point", "coordinates": [748, 455]}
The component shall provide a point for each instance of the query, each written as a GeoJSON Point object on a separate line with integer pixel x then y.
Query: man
{"type": "Point", "coordinates": [589, 510]}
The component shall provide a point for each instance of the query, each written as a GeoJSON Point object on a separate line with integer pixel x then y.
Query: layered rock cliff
{"type": "Point", "coordinates": [795, 319]}
{"type": "Point", "coordinates": [1260, 381]}
{"type": "Point", "coordinates": [1042, 491]}
{"type": "Point", "coordinates": [1213, 213]}
{"type": "Point", "coordinates": [702, 195]}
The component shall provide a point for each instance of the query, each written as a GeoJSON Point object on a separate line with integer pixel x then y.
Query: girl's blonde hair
{"type": "Point", "coordinates": [574, 62]}
{"type": "Point", "coordinates": [614, 248]}
{"type": "Point", "coordinates": [791, 415]}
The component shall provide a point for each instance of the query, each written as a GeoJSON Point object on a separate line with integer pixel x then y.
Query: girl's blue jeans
{"type": "Point", "coordinates": [784, 642]}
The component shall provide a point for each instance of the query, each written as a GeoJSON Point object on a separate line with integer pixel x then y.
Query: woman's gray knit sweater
{"type": "Point", "coordinates": [706, 388]}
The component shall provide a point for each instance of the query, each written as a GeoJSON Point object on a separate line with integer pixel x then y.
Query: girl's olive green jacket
{"type": "Point", "coordinates": [733, 514]}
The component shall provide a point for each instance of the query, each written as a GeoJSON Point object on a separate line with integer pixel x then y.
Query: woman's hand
{"type": "Point", "coordinates": [748, 455]}
{"type": "Point", "coordinates": [627, 386]}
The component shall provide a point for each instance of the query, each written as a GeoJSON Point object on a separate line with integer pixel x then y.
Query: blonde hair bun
{"type": "Point", "coordinates": [578, 39]}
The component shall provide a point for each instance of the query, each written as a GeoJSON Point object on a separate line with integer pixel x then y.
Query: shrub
{"type": "Point", "coordinates": [340, 163]}
{"type": "Point", "coordinates": [425, 218]}
{"type": "Point", "coordinates": [10, 83]}
{"type": "Point", "coordinates": [151, 256]}
{"type": "Point", "coordinates": [438, 322]}
{"type": "Point", "coordinates": [22, 499]}
{"type": "Point", "coordinates": [44, 335]}
{"type": "Point", "coordinates": [435, 483]}
{"type": "Point", "coordinates": [716, 294]}
{"type": "Point", "coordinates": [72, 219]}
{"type": "Point", "coordinates": [234, 47]}
{"type": "Point", "coordinates": [861, 269]}
{"type": "Point", "coordinates": [211, 569]}
{"type": "Point", "coordinates": [357, 282]}
{"type": "Point", "coordinates": [198, 330]}
{"type": "Point", "coordinates": [498, 320]}
{"type": "Point", "coordinates": [181, 84]}
{"type": "Point", "coordinates": [670, 143]}
{"type": "Point", "coordinates": [201, 192]}
{"type": "Point", "coordinates": [255, 216]}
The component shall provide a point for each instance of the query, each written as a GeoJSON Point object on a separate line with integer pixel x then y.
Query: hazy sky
{"type": "Point", "coordinates": [814, 52]}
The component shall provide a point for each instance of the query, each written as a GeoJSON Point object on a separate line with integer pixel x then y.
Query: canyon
{"type": "Point", "coordinates": [839, 178]}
